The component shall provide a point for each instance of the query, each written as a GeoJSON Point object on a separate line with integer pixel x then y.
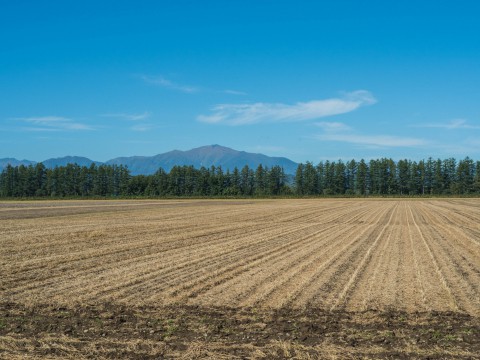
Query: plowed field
{"type": "Point", "coordinates": [258, 279]}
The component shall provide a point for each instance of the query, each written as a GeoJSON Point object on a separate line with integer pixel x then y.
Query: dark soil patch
{"type": "Point", "coordinates": [169, 332]}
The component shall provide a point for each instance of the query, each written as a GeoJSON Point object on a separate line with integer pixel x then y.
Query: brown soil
{"type": "Point", "coordinates": [113, 331]}
{"type": "Point", "coordinates": [305, 279]}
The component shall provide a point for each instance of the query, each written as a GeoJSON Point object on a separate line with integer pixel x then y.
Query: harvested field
{"type": "Point", "coordinates": [237, 278]}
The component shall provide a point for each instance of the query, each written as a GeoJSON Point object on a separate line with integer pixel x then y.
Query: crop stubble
{"type": "Point", "coordinates": [351, 256]}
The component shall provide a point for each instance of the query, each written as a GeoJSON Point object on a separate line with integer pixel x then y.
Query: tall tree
{"type": "Point", "coordinates": [309, 179]}
{"type": "Point", "coordinates": [247, 181]}
{"type": "Point", "coordinates": [362, 179]}
{"type": "Point", "coordinates": [403, 169]}
{"type": "Point", "coordinates": [329, 181]}
{"type": "Point", "coordinates": [438, 180]}
{"type": "Point", "coordinates": [477, 177]}
{"type": "Point", "coordinates": [350, 175]}
{"type": "Point", "coordinates": [300, 180]}
{"type": "Point", "coordinates": [465, 175]}
{"type": "Point", "coordinates": [339, 182]}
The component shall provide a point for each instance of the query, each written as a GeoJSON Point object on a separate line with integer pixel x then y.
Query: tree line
{"type": "Point", "coordinates": [387, 177]}
{"type": "Point", "coordinates": [381, 177]}
{"type": "Point", "coordinates": [73, 180]}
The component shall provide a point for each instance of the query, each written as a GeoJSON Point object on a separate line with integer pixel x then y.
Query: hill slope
{"type": "Point", "coordinates": [62, 161]}
{"type": "Point", "coordinates": [14, 162]}
{"type": "Point", "coordinates": [207, 156]}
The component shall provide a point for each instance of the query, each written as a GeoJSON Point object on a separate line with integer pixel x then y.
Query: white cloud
{"type": "Point", "coordinates": [452, 125]}
{"type": "Point", "coordinates": [169, 84]}
{"type": "Point", "coordinates": [161, 81]}
{"type": "Point", "coordinates": [234, 92]}
{"type": "Point", "coordinates": [242, 114]}
{"type": "Point", "coordinates": [267, 148]}
{"type": "Point", "coordinates": [373, 140]}
{"type": "Point", "coordinates": [333, 126]}
{"type": "Point", "coordinates": [468, 147]}
{"type": "Point", "coordinates": [142, 127]}
{"type": "Point", "coordinates": [53, 123]}
{"type": "Point", "coordinates": [132, 117]}
{"type": "Point", "coordinates": [138, 142]}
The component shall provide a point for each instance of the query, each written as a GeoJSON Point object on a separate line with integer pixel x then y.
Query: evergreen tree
{"type": "Point", "coordinates": [276, 181]}
{"type": "Point", "coordinates": [260, 181]}
{"type": "Point", "coordinates": [381, 177]}
{"type": "Point", "coordinates": [438, 184]}
{"type": "Point", "coordinates": [465, 176]}
{"type": "Point", "coordinates": [235, 182]}
{"type": "Point", "coordinates": [350, 175]}
{"type": "Point", "coordinates": [403, 169]}
{"type": "Point", "coordinates": [375, 175]}
{"type": "Point", "coordinates": [247, 181]}
{"type": "Point", "coordinates": [203, 181]}
{"type": "Point", "coordinates": [309, 179]}
{"type": "Point", "coordinates": [449, 175]}
{"type": "Point", "coordinates": [339, 184]}
{"type": "Point", "coordinates": [300, 180]}
{"type": "Point", "coordinates": [429, 176]}
{"type": "Point", "coordinates": [392, 182]}
{"type": "Point", "coordinates": [476, 184]}
{"type": "Point", "coordinates": [362, 180]}
{"type": "Point", "coordinates": [329, 178]}
{"type": "Point", "coordinates": [321, 177]}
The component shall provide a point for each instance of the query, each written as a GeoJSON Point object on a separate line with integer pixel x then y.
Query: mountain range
{"type": "Point", "coordinates": [207, 156]}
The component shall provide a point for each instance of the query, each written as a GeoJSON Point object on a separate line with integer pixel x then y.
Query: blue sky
{"type": "Point", "coordinates": [308, 80]}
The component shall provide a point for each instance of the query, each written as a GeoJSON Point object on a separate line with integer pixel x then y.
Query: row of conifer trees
{"type": "Point", "coordinates": [116, 181]}
{"type": "Point", "coordinates": [353, 178]}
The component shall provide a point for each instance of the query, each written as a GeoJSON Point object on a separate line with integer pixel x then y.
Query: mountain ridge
{"type": "Point", "coordinates": [207, 156]}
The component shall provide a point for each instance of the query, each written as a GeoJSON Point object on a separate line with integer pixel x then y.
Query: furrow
{"type": "Point", "coordinates": [189, 270]}
{"type": "Point", "coordinates": [335, 276]}
{"type": "Point", "coordinates": [298, 290]}
{"type": "Point", "coordinates": [359, 271]}
{"type": "Point", "coordinates": [125, 267]}
{"type": "Point", "coordinates": [433, 258]}
{"type": "Point", "coordinates": [284, 284]}
{"type": "Point", "coordinates": [458, 272]}
{"type": "Point", "coordinates": [219, 268]}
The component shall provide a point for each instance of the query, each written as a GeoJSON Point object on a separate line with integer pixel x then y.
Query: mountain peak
{"type": "Point", "coordinates": [206, 156]}
{"type": "Point", "coordinates": [62, 161]}
{"type": "Point", "coordinates": [212, 147]}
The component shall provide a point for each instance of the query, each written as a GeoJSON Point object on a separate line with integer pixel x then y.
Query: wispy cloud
{"type": "Point", "coordinates": [132, 117]}
{"type": "Point", "coordinates": [163, 82]}
{"type": "Point", "coordinates": [373, 140]}
{"type": "Point", "coordinates": [451, 125]}
{"type": "Point", "coordinates": [52, 123]}
{"type": "Point", "coordinates": [469, 146]}
{"type": "Point", "coordinates": [333, 126]}
{"type": "Point", "coordinates": [138, 142]}
{"type": "Point", "coordinates": [267, 148]}
{"type": "Point", "coordinates": [142, 127]}
{"type": "Point", "coordinates": [234, 92]}
{"type": "Point", "coordinates": [242, 114]}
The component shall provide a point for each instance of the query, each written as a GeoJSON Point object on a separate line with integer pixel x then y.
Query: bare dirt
{"type": "Point", "coordinates": [240, 279]}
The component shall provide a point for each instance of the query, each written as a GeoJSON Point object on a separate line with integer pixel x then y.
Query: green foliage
{"type": "Point", "coordinates": [381, 177]}
{"type": "Point", "coordinates": [385, 177]}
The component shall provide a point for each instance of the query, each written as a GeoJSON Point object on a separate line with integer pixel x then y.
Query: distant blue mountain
{"type": "Point", "coordinates": [207, 156]}
{"type": "Point", "coordinates": [79, 160]}
{"type": "Point", "coordinates": [14, 162]}
{"type": "Point", "coordinates": [49, 163]}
